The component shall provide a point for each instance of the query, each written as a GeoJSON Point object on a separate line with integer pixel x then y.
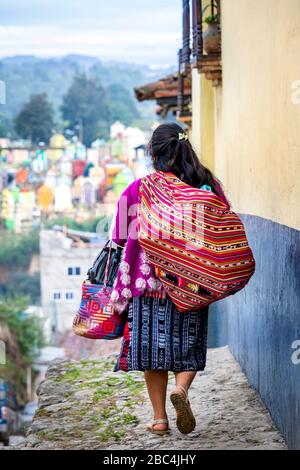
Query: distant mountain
{"type": "Point", "coordinates": [26, 75]}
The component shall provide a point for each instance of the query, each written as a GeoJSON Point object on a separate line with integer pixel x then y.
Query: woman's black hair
{"type": "Point", "coordinates": [171, 153]}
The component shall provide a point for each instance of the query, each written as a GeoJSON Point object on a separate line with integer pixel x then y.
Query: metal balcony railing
{"type": "Point", "coordinates": [212, 9]}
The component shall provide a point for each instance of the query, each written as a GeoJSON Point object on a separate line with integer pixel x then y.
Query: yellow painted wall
{"type": "Point", "coordinates": [203, 124]}
{"type": "Point", "coordinates": [195, 134]}
{"type": "Point", "coordinates": [258, 110]}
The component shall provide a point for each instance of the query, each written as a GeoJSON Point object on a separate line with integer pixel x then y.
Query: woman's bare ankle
{"type": "Point", "coordinates": [160, 415]}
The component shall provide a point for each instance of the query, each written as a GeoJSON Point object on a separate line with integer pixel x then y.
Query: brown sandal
{"type": "Point", "coordinates": [160, 432]}
{"type": "Point", "coordinates": [185, 419]}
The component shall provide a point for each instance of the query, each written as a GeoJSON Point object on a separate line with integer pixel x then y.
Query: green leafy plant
{"type": "Point", "coordinates": [86, 226]}
{"type": "Point", "coordinates": [23, 337]}
{"type": "Point", "coordinates": [27, 329]}
{"type": "Point", "coordinates": [211, 19]}
{"type": "Point", "coordinates": [16, 250]}
{"type": "Point", "coordinates": [28, 285]}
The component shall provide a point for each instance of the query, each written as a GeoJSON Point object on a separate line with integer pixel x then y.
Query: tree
{"type": "Point", "coordinates": [123, 107]}
{"type": "Point", "coordinates": [90, 225]}
{"type": "Point", "coordinates": [28, 285]}
{"type": "Point", "coordinates": [86, 104]}
{"type": "Point", "coordinates": [6, 126]}
{"type": "Point", "coordinates": [35, 120]}
{"type": "Point", "coordinates": [26, 328]}
{"type": "Point", "coordinates": [23, 336]}
{"type": "Point", "coordinates": [16, 251]}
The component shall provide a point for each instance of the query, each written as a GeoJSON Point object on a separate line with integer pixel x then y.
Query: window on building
{"type": "Point", "coordinates": [56, 295]}
{"type": "Point", "coordinates": [74, 271]}
{"type": "Point", "coordinates": [69, 295]}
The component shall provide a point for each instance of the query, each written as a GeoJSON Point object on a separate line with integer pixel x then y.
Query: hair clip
{"type": "Point", "coordinates": [182, 135]}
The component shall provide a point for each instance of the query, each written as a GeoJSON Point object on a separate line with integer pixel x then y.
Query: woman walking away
{"type": "Point", "coordinates": [158, 338]}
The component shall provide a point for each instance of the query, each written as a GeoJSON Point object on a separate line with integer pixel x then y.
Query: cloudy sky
{"type": "Point", "coordinates": [141, 31]}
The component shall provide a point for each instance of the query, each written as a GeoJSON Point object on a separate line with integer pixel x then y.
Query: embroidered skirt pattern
{"type": "Point", "coordinates": [159, 337]}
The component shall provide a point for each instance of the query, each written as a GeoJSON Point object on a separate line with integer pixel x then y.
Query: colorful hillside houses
{"type": "Point", "coordinates": [45, 198]}
{"type": "Point", "coordinates": [8, 208]}
{"type": "Point", "coordinates": [88, 193]}
{"type": "Point", "coordinates": [62, 198]}
{"type": "Point", "coordinates": [124, 140]}
{"type": "Point", "coordinates": [122, 180]}
{"type": "Point", "coordinates": [65, 178]}
{"type": "Point", "coordinates": [65, 165]}
{"type": "Point", "coordinates": [57, 144]}
{"type": "Point", "coordinates": [40, 163]}
{"type": "Point", "coordinates": [50, 178]}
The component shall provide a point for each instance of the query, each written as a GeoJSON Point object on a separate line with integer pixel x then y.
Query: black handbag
{"type": "Point", "coordinates": [96, 273]}
{"type": "Point", "coordinates": [96, 318]}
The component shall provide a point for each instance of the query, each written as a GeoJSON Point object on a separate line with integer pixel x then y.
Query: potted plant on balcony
{"type": "Point", "coordinates": [212, 35]}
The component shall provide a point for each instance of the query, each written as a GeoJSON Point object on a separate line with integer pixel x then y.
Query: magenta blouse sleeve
{"type": "Point", "coordinates": [126, 212]}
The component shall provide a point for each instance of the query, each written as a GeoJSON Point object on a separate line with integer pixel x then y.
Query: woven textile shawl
{"type": "Point", "coordinates": [196, 243]}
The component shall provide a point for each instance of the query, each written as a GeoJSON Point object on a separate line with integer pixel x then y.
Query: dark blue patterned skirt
{"type": "Point", "coordinates": [159, 337]}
